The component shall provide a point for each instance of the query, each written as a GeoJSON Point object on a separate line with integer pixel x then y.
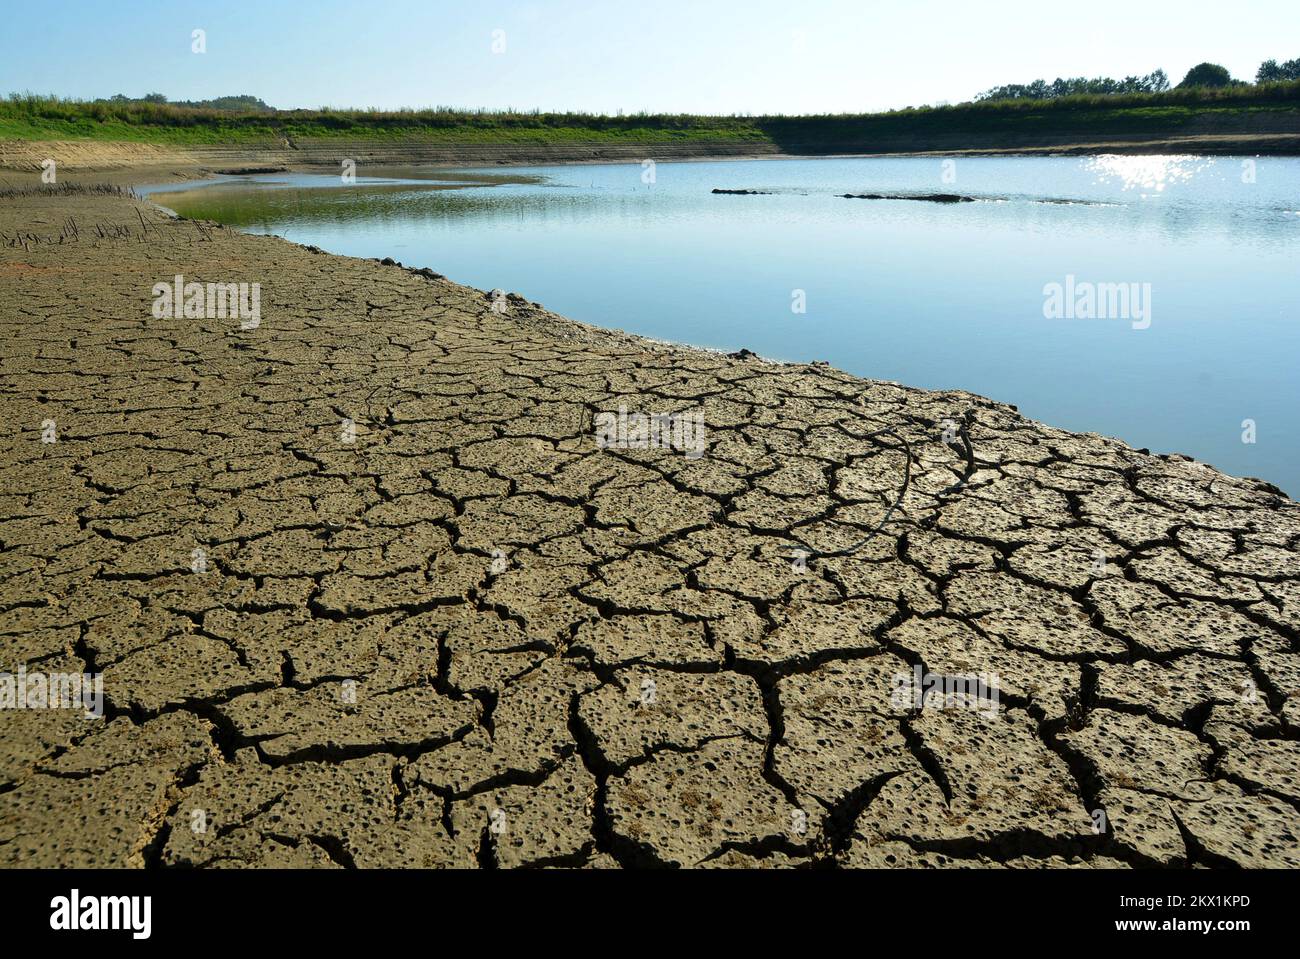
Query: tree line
{"type": "Point", "coordinates": [1201, 75]}
{"type": "Point", "coordinates": [246, 103]}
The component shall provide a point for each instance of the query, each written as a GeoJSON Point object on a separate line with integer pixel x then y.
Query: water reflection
{"type": "Point", "coordinates": [1147, 172]}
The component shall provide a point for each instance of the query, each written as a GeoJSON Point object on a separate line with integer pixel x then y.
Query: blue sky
{"type": "Point", "coordinates": [697, 56]}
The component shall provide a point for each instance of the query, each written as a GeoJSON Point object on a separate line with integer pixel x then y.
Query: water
{"type": "Point", "coordinates": [940, 296]}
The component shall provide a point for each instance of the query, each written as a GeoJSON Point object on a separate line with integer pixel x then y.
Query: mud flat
{"type": "Point", "coordinates": [364, 590]}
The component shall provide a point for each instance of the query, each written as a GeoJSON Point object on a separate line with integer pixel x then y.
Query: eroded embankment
{"type": "Point", "coordinates": [126, 162]}
{"type": "Point", "coordinates": [364, 591]}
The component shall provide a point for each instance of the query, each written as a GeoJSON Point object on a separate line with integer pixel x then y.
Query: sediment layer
{"type": "Point", "coordinates": [365, 591]}
{"type": "Point", "coordinates": [101, 157]}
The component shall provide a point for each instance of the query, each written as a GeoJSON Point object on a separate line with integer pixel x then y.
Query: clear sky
{"type": "Point", "coordinates": [691, 56]}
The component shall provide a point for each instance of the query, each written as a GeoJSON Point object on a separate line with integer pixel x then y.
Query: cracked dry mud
{"type": "Point", "coordinates": [350, 684]}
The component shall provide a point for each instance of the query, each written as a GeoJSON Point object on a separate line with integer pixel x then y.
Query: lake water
{"type": "Point", "coordinates": [928, 294]}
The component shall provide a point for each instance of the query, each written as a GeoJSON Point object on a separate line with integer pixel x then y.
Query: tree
{"type": "Point", "coordinates": [1156, 82]}
{"type": "Point", "coordinates": [1207, 75]}
{"type": "Point", "coordinates": [1270, 71]}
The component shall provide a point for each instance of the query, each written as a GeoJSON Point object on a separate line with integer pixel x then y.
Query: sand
{"type": "Point", "coordinates": [364, 590]}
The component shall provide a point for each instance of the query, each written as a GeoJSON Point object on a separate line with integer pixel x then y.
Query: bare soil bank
{"type": "Point", "coordinates": [1279, 136]}
{"type": "Point", "coordinates": [364, 591]}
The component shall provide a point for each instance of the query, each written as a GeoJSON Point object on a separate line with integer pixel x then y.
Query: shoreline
{"type": "Point", "coordinates": [121, 162]}
{"type": "Point", "coordinates": [747, 354]}
{"type": "Point", "coordinates": [392, 484]}
{"type": "Point", "coordinates": [413, 173]}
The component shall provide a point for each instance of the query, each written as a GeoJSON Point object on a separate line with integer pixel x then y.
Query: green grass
{"type": "Point", "coordinates": [226, 132]}
{"type": "Point", "coordinates": [28, 117]}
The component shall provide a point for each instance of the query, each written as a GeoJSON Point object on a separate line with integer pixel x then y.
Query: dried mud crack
{"type": "Point", "coordinates": [464, 635]}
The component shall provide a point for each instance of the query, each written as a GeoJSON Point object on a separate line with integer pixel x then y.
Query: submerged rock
{"type": "Point", "coordinates": [926, 197]}
{"type": "Point", "coordinates": [253, 170]}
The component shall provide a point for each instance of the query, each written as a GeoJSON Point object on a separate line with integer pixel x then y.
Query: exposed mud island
{"type": "Point", "coordinates": [365, 587]}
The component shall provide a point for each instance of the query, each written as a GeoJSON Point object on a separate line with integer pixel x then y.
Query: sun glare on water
{"type": "Point", "coordinates": [1146, 172]}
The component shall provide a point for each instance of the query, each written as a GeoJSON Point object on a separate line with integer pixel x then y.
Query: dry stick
{"type": "Point", "coordinates": [969, 454]}
{"type": "Point", "coordinates": [810, 553]}
{"type": "Point", "coordinates": [807, 551]}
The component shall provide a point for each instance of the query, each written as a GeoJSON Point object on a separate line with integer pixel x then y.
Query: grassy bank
{"type": "Point", "coordinates": [1263, 108]}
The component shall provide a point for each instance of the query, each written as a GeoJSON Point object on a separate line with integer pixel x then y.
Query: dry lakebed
{"type": "Point", "coordinates": [364, 589]}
